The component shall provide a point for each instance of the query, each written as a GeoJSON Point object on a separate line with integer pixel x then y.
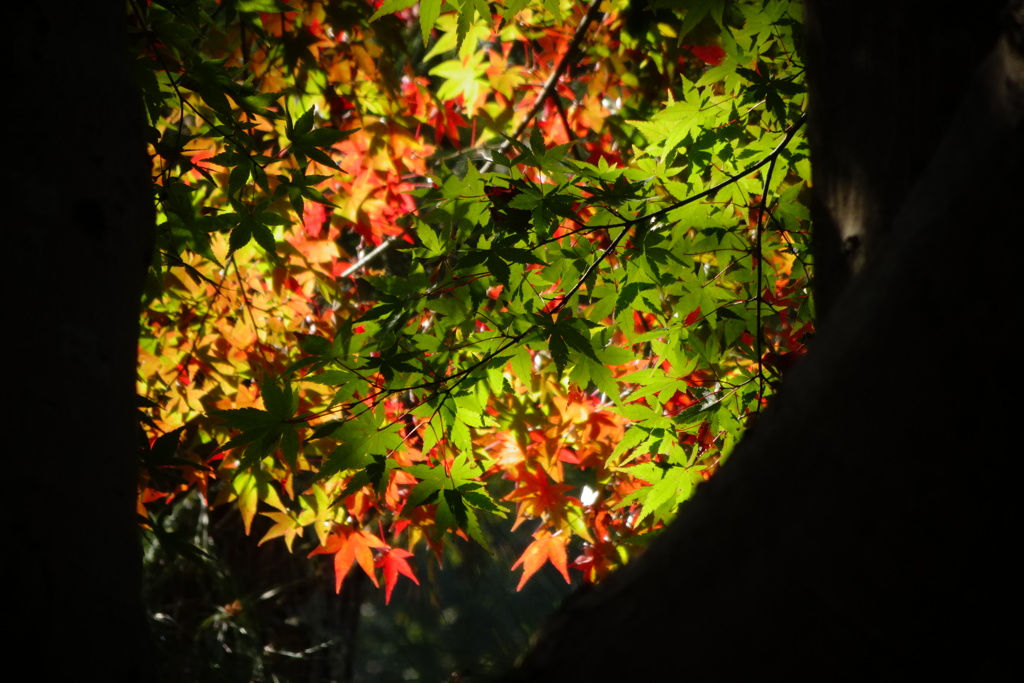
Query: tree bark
{"type": "Point", "coordinates": [884, 83]}
{"type": "Point", "coordinates": [862, 530]}
{"type": "Point", "coordinates": [79, 214]}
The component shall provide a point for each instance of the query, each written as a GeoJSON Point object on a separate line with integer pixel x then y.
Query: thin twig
{"type": "Point", "coordinates": [448, 384]}
{"type": "Point", "coordinates": [248, 308]}
{"type": "Point", "coordinates": [759, 337]}
{"type": "Point", "coordinates": [548, 88]}
{"type": "Point", "coordinates": [366, 258]}
{"type": "Point", "coordinates": [770, 158]}
{"type": "Point", "coordinates": [628, 224]}
{"type": "Point", "coordinates": [546, 91]}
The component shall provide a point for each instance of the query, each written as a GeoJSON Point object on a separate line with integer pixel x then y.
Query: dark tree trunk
{"type": "Point", "coordinates": [864, 529]}
{"type": "Point", "coordinates": [79, 219]}
{"type": "Point", "coordinates": [885, 80]}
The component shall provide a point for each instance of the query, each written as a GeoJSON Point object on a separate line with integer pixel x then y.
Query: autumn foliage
{"type": "Point", "coordinates": [422, 264]}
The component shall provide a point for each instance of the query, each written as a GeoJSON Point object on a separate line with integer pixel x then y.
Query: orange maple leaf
{"type": "Point", "coordinates": [544, 547]}
{"type": "Point", "coordinates": [350, 545]}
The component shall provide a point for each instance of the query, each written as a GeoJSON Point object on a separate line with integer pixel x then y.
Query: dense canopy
{"type": "Point", "coordinates": [424, 266]}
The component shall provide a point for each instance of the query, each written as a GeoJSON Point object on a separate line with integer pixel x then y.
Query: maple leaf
{"type": "Point", "coordinates": [350, 545]}
{"type": "Point", "coordinates": [314, 216]}
{"type": "Point", "coordinates": [250, 487]}
{"type": "Point", "coordinates": [394, 563]}
{"type": "Point", "coordinates": [692, 317]}
{"type": "Point", "coordinates": [466, 77]}
{"type": "Point", "coordinates": [285, 525]}
{"type": "Point", "coordinates": [546, 546]}
{"type": "Point", "coordinates": [491, 348]}
{"type": "Point", "coordinates": [538, 495]}
{"type": "Point", "coordinates": [596, 561]}
{"type": "Point", "coordinates": [447, 124]}
{"type": "Point", "coordinates": [712, 55]}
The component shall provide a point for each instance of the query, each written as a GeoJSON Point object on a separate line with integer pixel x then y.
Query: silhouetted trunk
{"type": "Point", "coordinates": [78, 220]}
{"type": "Point", "coordinates": [864, 529]}
{"type": "Point", "coordinates": [885, 81]}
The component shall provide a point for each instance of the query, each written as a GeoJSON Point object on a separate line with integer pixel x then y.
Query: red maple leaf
{"type": "Point", "coordinates": [693, 317]}
{"type": "Point", "coordinates": [596, 561]}
{"type": "Point", "coordinates": [711, 55]}
{"type": "Point", "coordinates": [314, 217]}
{"type": "Point", "coordinates": [394, 563]}
{"type": "Point", "coordinates": [448, 122]}
{"type": "Point", "coordinates": [537, 495]}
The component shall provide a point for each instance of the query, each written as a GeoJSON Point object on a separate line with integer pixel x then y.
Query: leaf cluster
{"type": "Point", "coordinates": [512, 262]}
